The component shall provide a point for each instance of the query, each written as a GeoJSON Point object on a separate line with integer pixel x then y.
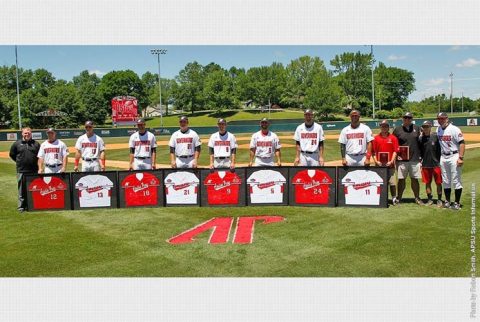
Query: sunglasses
{"type": "Point", "coordinates": [88, 127]}
{"type": "Point", "coordinates": [408, 117]}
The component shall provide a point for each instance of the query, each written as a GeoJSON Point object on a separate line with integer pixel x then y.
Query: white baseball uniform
{"type": "Point", "coordinates": [309, 139]}
{"type": "Point", "coordinates": [266, 186]}
{"type": "Point", "coordinates": [181, 187]}
{"type": "Point", "coordinates": [362, 187]}
{"type": "Point", "coordinates": [265, 146]}
{"type": "Point", "coordinates": [450, 139]}
{"type": "Point", "coordinates": [184, 145]}
{"type": "Point", "coordinates": [94, 191]}
{"type": "Point", "coordinates": [222, 146]}
{"type": "Point", "coordinates": [142, 145]}
{"type": "Point", "coordinates": [355, 140]}
{"type": "Point", "coordinates": [90, 148]}
{"type": "Point", "coordinates": [52, 155]}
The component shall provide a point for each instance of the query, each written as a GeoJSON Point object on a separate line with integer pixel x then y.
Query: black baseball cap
{"type": "Point", "coordinates": [183, 118]}
{"type": "Point", "coordinates": [408, 115]}
{"type": "Point", "coordinates": [427, 124]}
{"type": "Point", "coordinates": [308, 111]}
{"type": "Point", "coordinates": [140, 121]}
{"type": "Point", "coordinates": [50, 129]}
{"type": "Point", "coordinates": [384, 122]}
{"type": "Point", "coordinates": [221, 121]}
{"type": "Point", "coordinates": [264, 120]}
{"type": "Point", "coordinates": [89, 123]}
{"type": "Point", "coordinates": [442, 115]}
{"type": "Point", "coordinates": [354, 112]}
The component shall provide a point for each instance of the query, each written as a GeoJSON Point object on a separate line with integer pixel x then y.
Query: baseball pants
{"type": "Point", "coordinates": [309, 160]}
{"type": "Point", "coordinates": [142, 164]}
{"type": "Point", "coordinates": [90, 166]}
{"type": "Point", "coordinates": [221, 163]}
{"type": "Point", "coordinates": [184, 162]}
{"type": "Point", "coordinates": [451, 173]}
{"type": "Point", "coordinates": [355, 160]}
{"type": "Point", "coordinates": [263, 162]}
{"type": "Point", "coordinates": [54, 169]}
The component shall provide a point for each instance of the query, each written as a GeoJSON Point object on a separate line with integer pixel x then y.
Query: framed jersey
{"type": "Point", "coordinates": [362, 186]}
{"type": "Point", "coordinates": [94, 190]}
{"type": "Point", "coordinates": [182, 187]}
{"type": "Point", "coordinates": [142, 188]}
{"type": "Point", "coordinates": [223, 187]}
{"type": "Point", "coordinates": [48, 191]}
{"type": "Point", "coordinates": [312, 186]}
{"type": "Point", "coordinates": [267, 186]}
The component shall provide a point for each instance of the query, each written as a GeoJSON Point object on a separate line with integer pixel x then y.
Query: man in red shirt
{"type": "Point", "coordinates": [384, 153]}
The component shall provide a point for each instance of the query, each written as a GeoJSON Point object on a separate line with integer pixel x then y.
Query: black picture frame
{"type": "Point", "coordinates": [143, 189]}
{"type": "Point", "coordinates": [224, 197]}
{"type": "Point", "coordinates": [299, 194]}
{"type": "Point", "coordinates": [32, 196]}
{"type": "Point", "coordinates": [167, 185]}
{"type": "Point", "coordinates": [113, 200]}
{"type": "Point", "coordinates": [283, 171]}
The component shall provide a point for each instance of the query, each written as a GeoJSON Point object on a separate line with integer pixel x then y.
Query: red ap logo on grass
{"type": "Point", "coordinates": [221, 227]}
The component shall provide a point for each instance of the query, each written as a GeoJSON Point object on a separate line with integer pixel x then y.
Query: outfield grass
{"type": "Point", "coordinates": [403, 241]}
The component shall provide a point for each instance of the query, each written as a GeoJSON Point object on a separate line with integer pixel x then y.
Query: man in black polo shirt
{"type": "Point", "coordinates": [409, 156]}
{"type": "Point", "coordinates": [430, 151]}
{"type": "Point", "coordinates": [24, 153]}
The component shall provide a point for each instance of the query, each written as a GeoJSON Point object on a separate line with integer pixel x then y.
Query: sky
{"type": "Point", "coordinates": [431, 65]}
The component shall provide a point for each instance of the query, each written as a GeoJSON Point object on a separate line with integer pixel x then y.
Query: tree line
{"type": "Point", "coordinates": [303, 83]}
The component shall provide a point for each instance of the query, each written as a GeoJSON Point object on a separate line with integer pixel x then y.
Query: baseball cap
{"type": "Point", "coordinates": [427, 124]}
{"type": "Point", "coordinates": [442, 115]}
{"type": "Point", "coordinates": [50, 129]}
{"type": "Point", "coordinates": [221, 121]}
{"type": "Point", "coordinates": [183, 118]}
{"type": "Point", "coordinates": [408, 115]}
{"type": "Point", "coordinates": [354, 112]}
{"type": "Point", "coordinates": [140, 121]}
{"type": "Point", "coordinates": [264, 120]}
{"type": "Point", "coordinates": [308, 111]}
{"type": "Point", "coordinates": [384, 122]}
{"type": "Point", "coordinates": [89, 123]}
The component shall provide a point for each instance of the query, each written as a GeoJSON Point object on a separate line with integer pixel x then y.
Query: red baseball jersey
{"type": "Point", "coordinates": [48, 193]}
{"type": "Point", "coordinates": [140, 189]}
{"type": "Point", "coordinates": [385, 144]}
{"type": "Point", "coordinates": [223, 188]}
{"type": "Point", "coordinates": [312, 186]}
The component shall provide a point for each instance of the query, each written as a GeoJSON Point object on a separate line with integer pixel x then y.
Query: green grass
{"type": "Point", "coordinates": [403, 241]}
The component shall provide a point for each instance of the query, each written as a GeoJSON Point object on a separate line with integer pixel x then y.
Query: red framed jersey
{"type": "Point", "coordinates": [312, 186]}
{"type": "Point", "coordinates": [223, 188]}
{"type": "Point", "coordinates": [48, 193]}
{"type": "Point", "coordinates": [140, 189]}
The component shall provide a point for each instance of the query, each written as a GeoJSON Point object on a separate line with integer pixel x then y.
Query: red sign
{"type": "Point", "coordinates": [124, 110]}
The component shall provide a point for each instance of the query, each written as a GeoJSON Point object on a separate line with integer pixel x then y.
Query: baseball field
{"type": "Point", "coordinates": [402, 241]}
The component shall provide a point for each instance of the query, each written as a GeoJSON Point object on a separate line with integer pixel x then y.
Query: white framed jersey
{"type": "Point", "coordinates": [222, 145]}
{"type": "Point", "coordinates": [94, 191]}
{"type": "Point", "coordinates": [266, 187]}
{"type": "Point", "coordinates": [185, 143]}
{"type": "Point", "coordinates": [309, 138]}
{"type": "Point", "coordinates": [90, 147]}
{"type": "Point", "coordinates": [362, 187]}
{"type": "Point", "coordinates": [181, 188]}
{"type": "Point", "coordinates": [265, 144]}
{"type": "Point", "coordinates": [142, 144]}
{"type": "Point", "coordinates": [52, 153]}
{"type": "Point", "coordinates": [355, 139]}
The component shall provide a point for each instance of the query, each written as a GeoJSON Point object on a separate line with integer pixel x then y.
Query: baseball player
{"type": "Point", "coordinates": [430, 153]}
{"type": "Point", "coordinates": [263, 146]}
{"type": "Point", "coordinates": [408, 162]}
{"type": "Point", "coordinates": [91, 148]}
{"type": "Point", "coordinates": [452, 147]}
{"type": "Point", "coordinates": [53, 154]}
{"type": "Point", "coordinates": [222, 147]}
{"type": "Point", "coordinates": [309, 140]}
{"type": "Point", "coordinates": [356, 142]}
{"type": "Point", "coordinates": [384, 153]}
{"type": "Point", "coordinates": [143, 148]}
{"type": "Point", "coordinates": [185, 146]}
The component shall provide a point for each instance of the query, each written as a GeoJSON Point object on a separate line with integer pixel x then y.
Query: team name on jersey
{"type": "Point", "coordinates": [355, 135]}
{"type": "Point", "coordinates": [181, 186]}
{"type": "Point", "coordinates": [95, 189]}
{"type": "Point", "coordinates": [362, 185]}
{"type": "Point", "coordinates": [311, 185]}
{"type": "Point", "coordinates": [140, 143]}
{"type": "Point", "coordinates": [446, 138]}
{"type": "Point", "coordinates": [266, 185]}
{"type": "Point", "coordinates": [308, 135]}
{"type": "Point", "coordinates": [264, 143]}
{"type": "Point", "coordinates": [52, 150]}
{"type": "Point", "coordinates": [48, 190]}
{"type": "Point", "coordinates": [222, 185]}
{"type": "Point", "coordinates": [184, 140]}
{"type": "Point", "coordinates": [140, 187]}
{"type": "Point", "coordinates": [89, 145]}
{"type": "Point", "coordinates": [222, 143]}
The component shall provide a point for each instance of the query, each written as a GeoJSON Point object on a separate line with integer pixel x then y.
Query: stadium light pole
{"type": "Point", "coordinates": [159, 52]}
{"type": "Point", "coordinates": [373, 84]}
{"type": "Point", "coordinates": [451, 92]}
{"type": "Point", "coordinates": [18, 90]}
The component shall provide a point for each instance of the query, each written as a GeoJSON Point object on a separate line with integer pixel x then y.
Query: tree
{"type": "Point", "coordinates": [392, 86]}
{"type": "Point", "coordinates": [218, 90]}
{"type": "Point", "coordinates": [323, 95]}
{"type": "Point", "coordinates": [63, 97]}
{"type": "Point", "coordinates": [264, 84]}
{"type": "Point", "coordinates": [189, 92]}
{"type": "Point", "coordinates": [87, 86]}
{"type": "Point", "coordinates": [122, 83]}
